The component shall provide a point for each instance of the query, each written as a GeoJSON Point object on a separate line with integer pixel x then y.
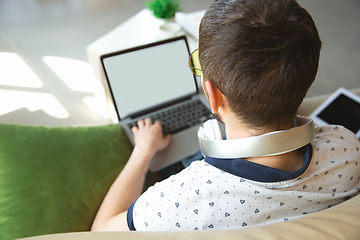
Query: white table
{"type": "Point", "coordinates": [142, 28]}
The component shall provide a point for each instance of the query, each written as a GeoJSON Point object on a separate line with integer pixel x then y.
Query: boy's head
{"type": "Point", "coordinates": [262, 55]}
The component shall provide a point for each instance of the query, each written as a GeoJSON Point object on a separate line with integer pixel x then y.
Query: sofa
{"type": "Point", "coordinates": [52, 181]}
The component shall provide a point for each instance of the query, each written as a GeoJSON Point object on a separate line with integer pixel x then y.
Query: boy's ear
{"type": "Point", "coordinates": [215, 97]}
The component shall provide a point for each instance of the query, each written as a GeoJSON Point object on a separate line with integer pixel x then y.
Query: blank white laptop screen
{"type": "Point", "coordinates": [149, 76]}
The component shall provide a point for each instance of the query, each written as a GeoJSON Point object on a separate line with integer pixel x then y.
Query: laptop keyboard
{"type": "Point", "coordinates": [180, 117]}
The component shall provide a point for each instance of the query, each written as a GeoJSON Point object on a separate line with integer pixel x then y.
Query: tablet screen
{"type": "Point", "coordinates": [343, 111]}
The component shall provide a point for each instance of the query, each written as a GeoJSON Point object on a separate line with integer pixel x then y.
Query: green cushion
{"type": "Point", "coordinates": [53, 180]}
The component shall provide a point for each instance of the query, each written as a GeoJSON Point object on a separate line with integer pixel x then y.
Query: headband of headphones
{"type": "Point", "coordinates": [269, 144]}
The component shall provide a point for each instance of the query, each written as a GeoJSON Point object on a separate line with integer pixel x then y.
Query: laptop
{"type": "Point", "coordinates": [155, 81]}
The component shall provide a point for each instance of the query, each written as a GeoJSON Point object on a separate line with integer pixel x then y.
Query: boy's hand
{"type": "Point", "coordinates": [129, 184]}
{"type": "Point", "coordinates": [149, 137]}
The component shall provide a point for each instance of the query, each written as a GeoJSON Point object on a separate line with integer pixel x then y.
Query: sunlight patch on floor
{"type": "Point", "coordinates": [15, 72]}
{"type": "Point", "coordinates": [33, 101]}
{"type": "Point", "coordinates": [77, 75]}
{"type": "Point", "coordinates": [93, 104]}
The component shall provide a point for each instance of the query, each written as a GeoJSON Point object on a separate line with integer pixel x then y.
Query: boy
{"type": "Point", "coordinates": [258, 58]}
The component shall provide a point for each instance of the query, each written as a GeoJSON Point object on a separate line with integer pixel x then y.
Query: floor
{"type": "Point", "coordinates": [45, 78]}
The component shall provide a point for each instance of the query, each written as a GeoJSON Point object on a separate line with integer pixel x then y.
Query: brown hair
{"type": "Point", "coordinates": [262, 55]}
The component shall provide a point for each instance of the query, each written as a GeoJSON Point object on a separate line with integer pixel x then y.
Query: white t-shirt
{"type": "Point", "coordinates": [204, 196]}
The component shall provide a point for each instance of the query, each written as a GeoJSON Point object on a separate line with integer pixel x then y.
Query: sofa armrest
{"type": "Point", "coordinates": [338, 222]}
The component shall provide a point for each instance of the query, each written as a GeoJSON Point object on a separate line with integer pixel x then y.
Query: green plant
{"type": "Point", "coordinates": [163, 8]}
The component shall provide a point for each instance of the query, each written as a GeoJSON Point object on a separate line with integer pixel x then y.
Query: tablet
{"type": "Point", "coordinates": [341, 108]}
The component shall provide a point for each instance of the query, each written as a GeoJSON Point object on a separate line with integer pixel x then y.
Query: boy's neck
{"type": "Point", "coordinates": [288, 162]}
{"type": "Point", "coordinates": [235, 129]}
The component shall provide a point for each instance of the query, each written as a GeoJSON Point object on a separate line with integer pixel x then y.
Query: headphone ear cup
{"type": "Point", "coordinates": [212, 130]}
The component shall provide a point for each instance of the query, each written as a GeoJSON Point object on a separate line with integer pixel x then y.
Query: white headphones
{"type": "Point", "coordinates": [269, 144]}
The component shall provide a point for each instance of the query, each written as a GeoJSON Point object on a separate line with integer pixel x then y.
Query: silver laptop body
{"type": "Point", "coordinates": [152, 79]}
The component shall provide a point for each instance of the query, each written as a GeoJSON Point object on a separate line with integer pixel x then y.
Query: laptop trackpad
{"type": "Point", "coordinates": [182, 145]}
